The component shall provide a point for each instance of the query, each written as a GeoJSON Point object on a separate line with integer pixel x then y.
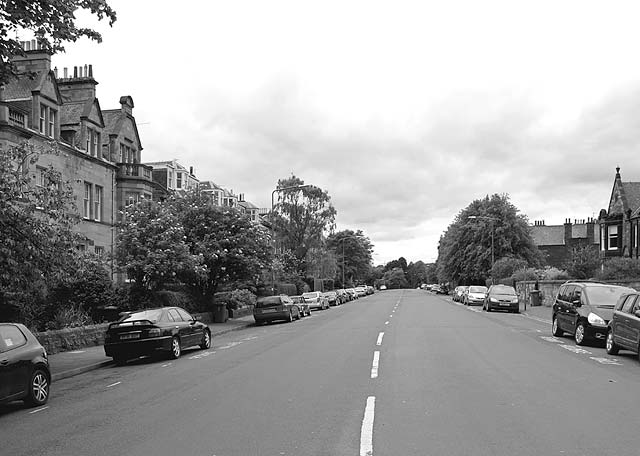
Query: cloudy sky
{"type": "Point", "coordinates": [404, 112]}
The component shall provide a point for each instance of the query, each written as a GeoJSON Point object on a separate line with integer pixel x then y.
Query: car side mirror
{"type": "Point", "coordinates": [637, 313]}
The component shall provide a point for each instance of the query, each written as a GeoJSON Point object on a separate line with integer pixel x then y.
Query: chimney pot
{"type": "Point", "coordinates": [90, 71]}
{"type": "Point", "coordinates": [55, 72]}
{"type": "Point", "coordinates": [75, 71]}
{"type": "Point", "coordinates": [65, 72]}
{"type": "Point", "coordinates": [86, 72]}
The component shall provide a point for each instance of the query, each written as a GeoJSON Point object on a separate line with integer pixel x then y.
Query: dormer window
{"type": "Point", "coordinates": [47, 124]}
{"type": "Point", "coordinates": [92, 141]}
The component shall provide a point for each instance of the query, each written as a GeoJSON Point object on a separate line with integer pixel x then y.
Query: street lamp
{"type": "Point", "coordinates": [491, 219]}
{"type": "Point", "coordinates": [341, 240]}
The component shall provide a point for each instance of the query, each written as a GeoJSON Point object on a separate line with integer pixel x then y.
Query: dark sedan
{"type": "Point", "coordinates": [272, 308]}
{"type": "Point", "coordinates": [501, 297]}
{"type": "Point", "coordinates": [24, 366]}
{"type": "Point", "coordinates": [147, 332]}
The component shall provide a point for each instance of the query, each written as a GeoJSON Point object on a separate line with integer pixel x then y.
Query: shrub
{"type": "Point", "coordinates": [507, 267]}
{"type": "Point", "coordinates": [552, 273]}
{"type": "Point", "coordinates": [241, 298]}
{"type": "Point", "coordinates": [525, 274]}
{"type": "Point", "coordinates": [69, 317]}
{"type": "Point", "coordinates": [167, 298]}
{"type": "Point", "coordinates": [584, 262]}
{"type": "Point", "coordinates": [620, 268]}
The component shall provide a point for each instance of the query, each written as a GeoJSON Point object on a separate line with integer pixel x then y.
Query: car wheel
{"type": "Point", "coordinates": [555, 329]}
{"type": "Point", "coordinates": [579, 334]}
{"type": "Point", "coordinates": [38, 388]}
{"type": "Point", "coordinates": [206, 340]}
{"type": "Point", "coordinates": [298, 316]}
{"type": "Point", "coordinates": [290, 319]}
{"type": "Point", "coordinates": [176, 350]}
{"type": "Point", "coordinates": [611, 346]}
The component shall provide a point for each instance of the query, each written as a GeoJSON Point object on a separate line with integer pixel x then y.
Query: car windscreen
{"type": "Point", "coordinates": [503, 290]}
{"type": "Point", "coordinates": [268, 302]}
{"type": "Point", "coordinates": [606, 296]}
{"type": "Point", "coordinates": [477, 289]}
{"type": "Point", "coordinates": [152, 315]}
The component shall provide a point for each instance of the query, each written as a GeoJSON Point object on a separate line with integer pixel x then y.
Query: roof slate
{"type": "Point", "coordinates": [632, 194]}
{"type": "Point", "coordinates": [547, 235]}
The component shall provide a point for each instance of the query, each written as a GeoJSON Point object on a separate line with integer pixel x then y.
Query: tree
{"type": "Point", "coordinates": [231, 247]}
{"type": "Point", "coordinates": [36, 227]}
{"type": "Point", "coordinates": [465, 252]}
{"type": "Point", "coordinates": [507, 266]}
{"type": "Point", "coordinates": [399, 263]}
{"type": "Point", "coordinates": [151, 246]}
{"type": "Point", "coordinates": [583, 262]}
{"type": "Point", "coordinates": [417, 273]}
{"type": "Point", "coordinates": [620, 268]}
{"type": "Point", "coordinates": [302, 217]}
{"type": "Point", "coordinates": [52, 23]}
{"type": "Point", "coordinates": [395, 278]}
{"type": "Point", "coordinates": [357, 250]}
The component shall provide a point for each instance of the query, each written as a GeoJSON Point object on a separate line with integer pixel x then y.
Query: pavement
{"type": "Point", "coordinates": [70, 363]}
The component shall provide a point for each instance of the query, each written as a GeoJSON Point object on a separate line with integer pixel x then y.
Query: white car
{"type": "Point", "coordinates": [316, 300]}
{"type": "Point", "coordinates": [362, 291]}
{"type": "Point", "coordinates": [383, 287]}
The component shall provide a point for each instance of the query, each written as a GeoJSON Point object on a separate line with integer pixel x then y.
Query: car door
{"type": "Point", "coordinates": [182, 327]}
{"type": "Point", "coordinates": [562, 307]}
{"type": "Point", "coordinates": [620, 322]}
{"type": "Point", "coordinates": [14, 361]}
{"type": "Point", "coordinates": [632, 325]}
{"type": "Point", "coordinates": [197, 331]}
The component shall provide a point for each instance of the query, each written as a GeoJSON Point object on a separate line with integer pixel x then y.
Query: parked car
{"type": "Point", "coordinates": [361, 291]}
{"type": "Point", "coordinates": [436, 289]}
{"type": "Point", "coordinates": [161, 330]}
{"type": "Point", "coordinates": [342, 295]}
{"type": "Point", "coordinates": [303, 305]}
{"type": "Point", "coordinates": [370, 290]}
{"type": "Point", "coordinates": [383, 287]}
{"type": "Point", "coordinates": [624, 327]}
{"type": "Point", "coordinates": [502, 297]}
{"type": "Point", "coordinates": [352, 293]}
{"type": "Point", "coordinates": [584, 309]}
{"type": "Point", "coordinates": [24, 366]}
{"type": "Point", "coordinates": [458, 293]}
{"type": "Point", "coordinates": [474, 294]}
{"type": "Point", "coordinates": [316, 300]}
{"type": "Point", "coordinates": [273, 308]}
{"type": "Point", "coordinates": [331, 297]}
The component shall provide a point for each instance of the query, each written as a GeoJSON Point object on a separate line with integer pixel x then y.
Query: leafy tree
{"type": "Point", "coordinates": [52, 23]}
{"type": "Point", "coordinates": [620, 268]}
{"type": "Point", "coordinates": [230, 246]}
{"type": "Point", "coordinates": [417, 273]}
{"type": "Point", "coordinates": [583, 262]}
{"type": "Point", "coordinates": [353, 252]}
{"type": "Point", "coordinates": [464, 251]}
{"type": "Point", "coordinates": [151, 246]}
{"type": "Point", "coordinates": [302, 217]}
{"type": "Point", "coordinates": [399, 263]}
{"type": "Point", "coordinates": [36, 228]}
{"type": "Point", "coordinates": [507, 266]}
{"type": "Point", "coordinates": [395, 278]}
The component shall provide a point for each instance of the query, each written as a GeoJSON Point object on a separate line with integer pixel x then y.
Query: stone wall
{"type": "Point", "coordinates": [72, 338]}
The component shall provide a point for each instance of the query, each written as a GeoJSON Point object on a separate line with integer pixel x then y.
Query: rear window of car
{"type": "Point", "coordinates": [605, 296]}
{"type": "Point", "coordinates": [12, 337]}
{"type": "Point", "coordinates": [310, 295]}
{"type": "Point", "coordinates": [477, 289]}
{"type": "Point", "coordinates": [153, 315]}
{"type": "Point", "coordinates": [269, 301]}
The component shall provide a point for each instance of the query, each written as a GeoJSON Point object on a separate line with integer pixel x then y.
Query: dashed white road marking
{"type": "Point", "coordinates": [551, 339]}
{"type": "Point", "coordinates": [386, 322]}
{"type": "Point", "coordinates": [202, 355]}
{"type": "Point", "coordinates": [252, 337]}
{"type": "Point", "coordinates": [366, 431]}
{"type": "Point", "coordinates": [608, 361]}
{"type": "Point", "coordinates": [166, 365]}
{"type": "Point", "coordinates": [38, 410]}
{"type": "Point", "coordinates": [113, 384]}
{"type": "Point", "coordinates": [229, 345]}
{"type": "Point", "coordinates": [76, 352]}
{"type": "Point", "coordinates": [575, 349]}
{"type": "Point", "coordinates": [380, 336]}
{"type": "Point", "coordinates": [374, 365]}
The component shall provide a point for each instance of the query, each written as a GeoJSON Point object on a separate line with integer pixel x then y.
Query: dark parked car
{"type": "Point", "coordinates": [272, 308]}
{"type": "Point", "coordinates": [624, 327]}
{"type": "Point", "coordinates": [152, 331]}
{"type": "Point", "coordinates": [501, 297]}
{"type": "Point", "coordinates": [583, 309]}
{"type": "Point", "coordinates": [331, 297]}
{"type": "Point", "coordinates": [24, 366]}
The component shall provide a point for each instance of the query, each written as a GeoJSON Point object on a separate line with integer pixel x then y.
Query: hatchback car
{"type": "Point", "coordinates": [624, 328]}
{"type": "Point", "coordinates": [458, 293]}
{"type": "Point", "coordinates": [316, 300]}
{"type": "Point", "coordinates": [501, 297]}
{"type": "Point", "coordinates": [152, 331]}
{"type": "Point", "coordinates": [584, 309]}
{"type": "Point", "coordinates": [474, 294]}
{"type": "Point", "coordinates": [303, 305]}
{"type": "Point", "coordinates": [352, 293]}
{"type": "Point", "coordinates": [273, 308]}
{"type": "Point", "coordinates": [361, 291]}
{"type": "Point", "coordinates": [331, 297]}
{"type": "Point", "coordinates": [24, 366]}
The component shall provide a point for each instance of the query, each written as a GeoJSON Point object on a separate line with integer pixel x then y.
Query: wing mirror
{"type": "Point", "coordinates": [577, 303]}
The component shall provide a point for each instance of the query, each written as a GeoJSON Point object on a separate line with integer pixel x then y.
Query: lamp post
{"type": "Point", "coordinates": [292, 187]}
{"type": "Point", "coordinates": [342, 241]}
{"type": "Point", "coordinates": [491, 220]}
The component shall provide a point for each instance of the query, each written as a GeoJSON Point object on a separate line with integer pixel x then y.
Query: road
{"type": "Point", "coordinates": [446, 380]}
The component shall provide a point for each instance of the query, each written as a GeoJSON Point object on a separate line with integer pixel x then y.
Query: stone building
{"type": "Point", "coordinates": [558, 241]}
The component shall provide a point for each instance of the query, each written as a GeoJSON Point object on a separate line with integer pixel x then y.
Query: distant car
{"type": "Point", "coordinates": [458, 293]}
{"type": "Point", "coordinates": [273, 308]}
{"type": "Point", "coordinates": [624, 327]}
{"type": "Point", "coordinates": [316, 300]}
{"type": "Point", "coordinates": [331, 297]}
{"type": "Point", "coordinates": [303, 305]}
{"type": "Point", "coordinates": [342, 295]}
{"type": "Point", "coordinates": [352, 293]}
{"type": "Point", "coordinates": [383, 287]}
{"type": "Point", "coordinates": [370, 290]}
{"type": "Point", "coordinates": [361, 291]}
{"type": "Point", "coordinates": [161, 330]}
{"type": "Point", "coordinates": [474, 294]}
{"type": "Point", "coordinates": [436, 289]}
{"type": "Point", "coordinates": [24, 366]}
{"type": "Point", "coordinates": [502, 297]}
{"type": "Point", "coordinates": [584, 309]}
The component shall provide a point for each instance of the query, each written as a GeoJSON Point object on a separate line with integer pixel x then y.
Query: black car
{"type": "Point", "coordinates": [24, 366]}
{"type": "Point", "coordinates": [583, 309]}
{"type": "Point", "coordinates": [272, 308]}
{"type": "Point", "coordinates": [501, 297]}
{"type": "Point", "coordinates": [624, 327]}
{"type": "Point", "coordinates": [161, 330]}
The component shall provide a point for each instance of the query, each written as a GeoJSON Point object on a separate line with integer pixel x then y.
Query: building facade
{"type": "Point", "coordinates": [557, 242]}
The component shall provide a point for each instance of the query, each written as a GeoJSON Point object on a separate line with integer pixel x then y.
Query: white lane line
{"type": "Point", "coordinates": [38, 410]}
{"type": "Point", "coordinates": [374, 366]}
{"type": "Point", "coordinates": [166, 365]}
{"type": "Point", "coordinates": [380, 336]}
{"type": "Point", "coordinates": [575, 349]}
{"type": "Point", "coordinates": [551, 339]}
{"type": "Point", "coordinates": [608, 361]}
{"type": "Point", "coordinates": [113, 384]}
{"type": "Point", "coordinates": [386, 322]}
{"type": "Point", "coordinates": [391, 316]}
{"type": "Point", "coordinates": [366, 432]}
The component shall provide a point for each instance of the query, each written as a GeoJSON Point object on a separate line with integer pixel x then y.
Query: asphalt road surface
{"type": "Point", "coordinates": [396, 373]}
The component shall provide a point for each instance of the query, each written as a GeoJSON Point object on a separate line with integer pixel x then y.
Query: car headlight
{"type": "Point", "coordinates": [154, 332]}
{"type": "Point", "coordinates": [493, 300]}
{"type": "Point", "coordinates": [595, 320]}
{"type": "Point", "coordinates": [514, 300]}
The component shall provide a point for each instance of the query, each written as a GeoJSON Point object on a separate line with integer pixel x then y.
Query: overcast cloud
{"type": "Point", "coordinates": [404, 112]}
